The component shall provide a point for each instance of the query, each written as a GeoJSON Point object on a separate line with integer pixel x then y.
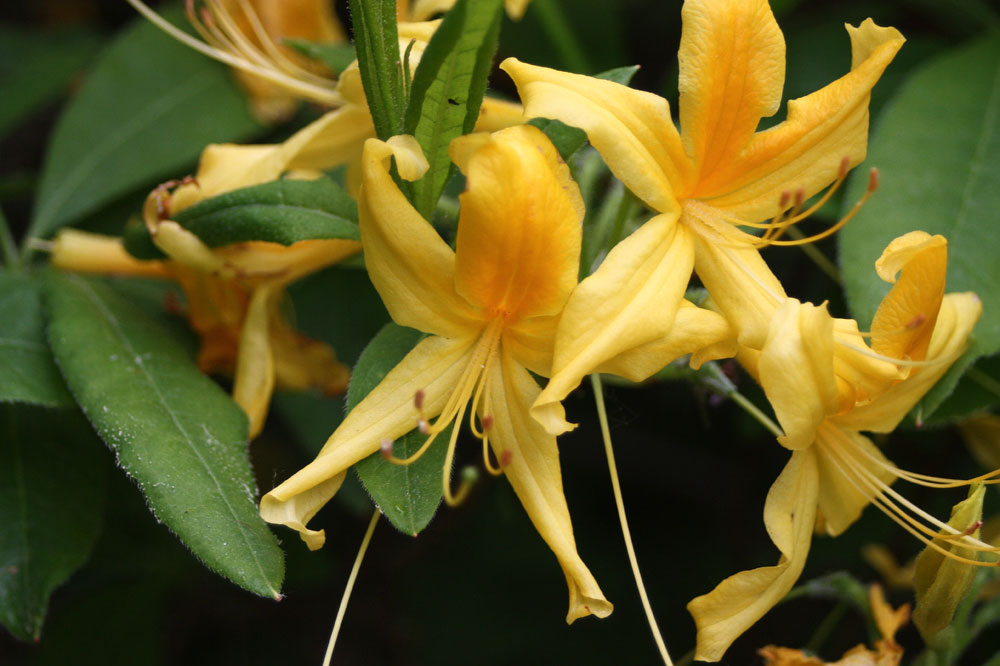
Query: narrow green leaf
{"type": "Point", "coordinates": [448, 89]}
{"type": "Point", "coordinates": [407, 494]}
{"type": "Point", "coordinates": [35, 66]}
{"type": "Point", "coordinates": [28, 375]}
{"type": "Point", "coordinates": [146, 111]}
{"type": "Point", "coordinates": [377, 43]}
{"type": "Point", "coordinates": [622, 75]}
{"type": "Point", "coordinates": [335, 56]}
{"type": "Point", "coordinates": [938, 149]}
{"type": "Point", "coordinates": [172, 428]}
{"type": "Point", "coordinates": [52, 478]}
{"type": "Point", "coordinates": [566, 139]}
{"type": "Point", "coordinates": [283, 211]}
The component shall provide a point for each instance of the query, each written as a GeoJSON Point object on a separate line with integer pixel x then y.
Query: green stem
{"type": "Point", "coordinates": [984, 380]}
{"type": "Point", "coordinates": [602, 416]}
{"type": "Point", "coordinates": [556, 27]}
{"type": "Point", "coordinates": [7, 246]}
{"type": "Point", "coordinates": [818, 258]}
{"type": "Point", "coordinates": [826, 627]}
{"type": "Point", "coordinates": [721, 384]}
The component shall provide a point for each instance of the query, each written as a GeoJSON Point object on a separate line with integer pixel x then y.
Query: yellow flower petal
{"type": "Point", "coordinates": [410, 265]}
{"type": "Point", "coordinates": [301, 507]}
{"type": "Point", "coordinates": [742, 286]}
{"type": "Point", "coordinates": [806, 150]}
{"type": "Point", "coordinates": [860, 378]}
{"type": "Point", "coordinates": [631, 300]}
{"type": "Point", "coordinates": [742, 599]}
{"type": "Point", "coordinates": [519, 231]}
{"type": "Point", "coordinates": [496, 114]}
{"type": "Point", "coordinates": [254, 378]}
{"type": "Point", "coordinates": [388, 412]}
{"type": "Point", "coordinates": [956, 319]}
{"type": "Point", "coordinates": [694, 330]}
{"type": "Point", "coordinates": [840, 501]}
{"type": "Point", "coordinates": [905, 319]}
{"type": "Point", "coordinates": [531, 343]}
{"type": "Point", "coordinates": [631, 129]}
{"type": "Point", "coordinates": [732, 70]}
{"type": "Point", "coordinates": [86, 252]}
{"type": "Point", "coordinates": [534, 473]}
{"type": "Point", "coordinates": [334, 139]}
{"type": "Point", "coordinates": [796, 370]}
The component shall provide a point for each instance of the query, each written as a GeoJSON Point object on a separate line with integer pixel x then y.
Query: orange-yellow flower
{"type": "Point", "coordinates": [705, 181]}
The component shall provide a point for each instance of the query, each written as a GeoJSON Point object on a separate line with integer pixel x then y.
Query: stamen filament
{"type": "Point", "coordinates": [602, 415]}
{"type": "Point", "coordinates": [315, 93]}
{"type": "Point", "coordinates": [342, 609]}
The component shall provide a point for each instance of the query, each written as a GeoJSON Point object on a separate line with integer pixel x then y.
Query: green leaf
{"type": "Point", "coordinates": [145, 113]}
{"type": "Point", "coordinates": [172, 428]}
{"type": "Point", "coordinates": [29, 375]}
{"type": "Point", "coordinates": [938, 149]}
{"type": "Point", "coordinates": [35, 66]}
{"type": "Point", "coordinates": [52, 479]}
{"type": "Point", "coordinates": [976, 391]}
{"type": "Point", "coordinates": [566, 139]}
{"type": "Point", "coordinates": [408, 495]}
{"type": "Point", "coordinates": [622, 75]}
{"type": "Point", "coordinates": [448, 89]}
{"type": "Point", "coordinates": [283, 211]}
{"type": "Point", "coordinates": [335, 56]}
{"type": "Point", "coordinates": [377, 43]}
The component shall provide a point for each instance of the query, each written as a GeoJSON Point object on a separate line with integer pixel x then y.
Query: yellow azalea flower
{"type": "Point", "coordinates": [491, 308]}
{"type": "Point", "coordinates": [234, 293]}
{"type": "Point", "coordinates": [705, 181]}
{"type": "Point", "coordinates": [887, 651]}
{"type": "Point", "coordinates": [835, 471]}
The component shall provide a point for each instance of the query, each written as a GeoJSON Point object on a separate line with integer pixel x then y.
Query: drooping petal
{"type": "Point", "coordinates": [334, 139]}
{"type": "Point", "coordinates": [905, 319]}
{"type": "Point", "coordinates": [519, 231]}
{"type": "Point", "coordinates": [956, 319]}
{"type": "Point", "coordinates": [631, 299]}
{"type": "Point", "coordinates": [496, 114]}
{"type": "Point", "coordinates": [631, 129]}
{"type": "Point", "coordinates": [434, 366]}
{"type": "Point", "coordinates": [532, 467]}
{"type": "Point", "coordinates": [805, 151]}
{"type": "Point", "coordinates": [253, 382]}
{"type": "Point", "coordinates": [694, 330]}
{"type": "Point", "coordinates": [796, 370]}
{"type": "Point", "coordinates": [410, 265]}
{"type": "Point", "coordinates": [840, 454]}
{"type": "Point", "coordinates": [742, 599]}
{"type": "Point", "coordinates": [260, 262]}
{"type": "Point", "coordinates": [732, 71]}
{"type": "Point", "coordinates": [741, 284]}
{"type": "Point", "coordinates": [302, 363]}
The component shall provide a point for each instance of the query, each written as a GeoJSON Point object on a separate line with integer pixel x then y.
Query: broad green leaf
{"type": "Point", "coordinates": [283, 211]}
{"type": "Point", "coordinates": [36, 65]}
{"type": "Point", "coordinates": [335, 56]}
{"type": "Point", "coordinates": [977, 390]}
{"type": "Point", "coordinates": [174, 431]}
{"type": "Point", "coordinates": [145, 113]}
{"type": "Point", "coordinates": [938, 149]}
{"type": "Point", "coordinates": [377, 44]}
{"type": "Point", "coordinates": [52, 478]}
{"type": "Point", "coordinates": [407, 494]}
{"type": "Point", "coordinates": [448, 89]}
{"type": "Point", "coordinates": [28, 375]}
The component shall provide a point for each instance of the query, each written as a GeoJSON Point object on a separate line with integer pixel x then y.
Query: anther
{"type": "Point", "coordinates": [916, 322]}
{"type": "Point", "coordinates": [785, 197]}
{"type": "Point", "coordinates": [506, 457]}
{"type": "Point", "coordinates": [487, 422]}
{"type": "Point", "coordinates": [845, 165]}
{"type": "Point", "coordinates": [873, 180]}
{"type": "Point", "coordinates": [423, 426]}
{"type": "Point", "coordinates": [387, 448]}
{"type": "Point", "coordinates": [418, 399]}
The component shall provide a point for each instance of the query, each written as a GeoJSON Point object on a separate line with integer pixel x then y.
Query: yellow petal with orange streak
{"type": "Point", "coordinates": [732, 70]}
{"type": "Point", "coordinates": [905, 318]}
{"type": "Point", "coordinates": [805, 151]}
{"type": "Point", "coordinates": [520, 226]}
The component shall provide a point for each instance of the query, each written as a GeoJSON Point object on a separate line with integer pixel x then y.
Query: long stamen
{"type": "Point", "coordinates": [342, 610]}
{"type": "Point", "coordinates": [310, 91]}
{"type": "Point", "coordinates": [466, 484]}
{"type": "Point", "coordinates": [620, 504]}
{"type": "Point", "coordinates": [946, 360]}
{"type": "Point", "coordinates": [882, 496]}
{"type": "Point", "coordinates": [873, 180]}
{"type": "Point", "coordinates": [928, 480]}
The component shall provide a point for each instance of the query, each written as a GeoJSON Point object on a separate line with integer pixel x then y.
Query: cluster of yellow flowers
{"type": "Point", "coordinates": [505, 307]}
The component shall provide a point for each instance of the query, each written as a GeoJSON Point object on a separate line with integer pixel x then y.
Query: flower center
{"type": "Point", "coordinates": [473, 386]}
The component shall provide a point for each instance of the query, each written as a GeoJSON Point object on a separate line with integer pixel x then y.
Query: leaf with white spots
{"type": "Point", "coordinates": [174, 431]}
